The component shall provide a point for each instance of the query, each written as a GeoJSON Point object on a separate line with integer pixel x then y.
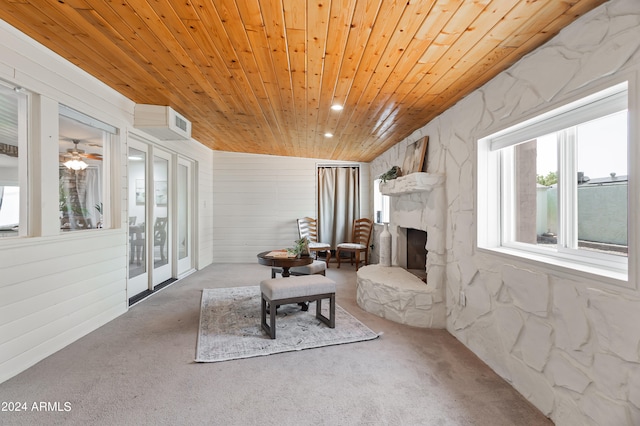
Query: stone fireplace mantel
{"type": "Point", "coordinates": [417, 202]}
{"type": "Point", "coordinates": [411, 183]}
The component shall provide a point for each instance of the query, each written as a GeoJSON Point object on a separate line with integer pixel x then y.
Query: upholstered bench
{"type": "Point", "coordinates": [296, 289]}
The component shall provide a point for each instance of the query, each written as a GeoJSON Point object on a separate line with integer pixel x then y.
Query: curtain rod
{"type": "Point", "coordinates": [338, 165]}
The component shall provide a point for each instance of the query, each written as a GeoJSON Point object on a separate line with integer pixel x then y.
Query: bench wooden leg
{"type": "Point", "coordinates": [271, 327]}
{"type": "Point", "coordinates": [332, 311]}
{"type": "Point", "coordinates": [272, 322]}
{"type": "Point", "coordinates": [331, 321]}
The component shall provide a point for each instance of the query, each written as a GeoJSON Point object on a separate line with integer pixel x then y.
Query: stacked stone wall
{"type": "Point", "coordinates": [569, 342]}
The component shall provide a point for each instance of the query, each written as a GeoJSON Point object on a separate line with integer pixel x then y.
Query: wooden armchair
{"type": "Point", "coordinates": [360, 238]}
{"type": "Point", "coordinates": [308, 227]}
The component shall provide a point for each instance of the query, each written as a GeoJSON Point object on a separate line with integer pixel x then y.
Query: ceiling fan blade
{"type": "Point", "coordinates": [92, 156]}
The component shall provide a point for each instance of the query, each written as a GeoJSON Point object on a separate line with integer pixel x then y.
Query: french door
{"type": "Point", "coordinates": [161, 216]}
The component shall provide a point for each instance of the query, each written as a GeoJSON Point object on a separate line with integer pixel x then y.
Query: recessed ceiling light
{"type": "Point", "coordinates": [337, 107]}
{"type": "Point", "coordinates": [328, 135]}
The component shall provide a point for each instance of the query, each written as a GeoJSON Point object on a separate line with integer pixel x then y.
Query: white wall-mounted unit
{"type": "Point", "coordinates": [162, 122]}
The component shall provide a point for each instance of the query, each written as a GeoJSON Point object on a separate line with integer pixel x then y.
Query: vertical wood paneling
{"type": "Point", "coordinates": [336, 40]}
{"type": "Point", "coordinates": [274, 29]}
{"type": "Point", "coordinates": [385, 25]}
{"type": "Point", "coordinates": [397, 57]}
{"type": "Point", "coordinates": [317, 23]}
{"type": "Point", "coordinates": [255, 25]}
{"type": "Point", "coordinates": [295, 19]}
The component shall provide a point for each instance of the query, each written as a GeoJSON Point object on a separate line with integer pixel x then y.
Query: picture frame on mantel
{"type": "Point", "coordinates": [414, 158]}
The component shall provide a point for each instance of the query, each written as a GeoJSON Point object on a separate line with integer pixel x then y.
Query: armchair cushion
{"type": "Point", "coordinates": [352, 246]}
{"type": "Point", "coordinates": [319, 246]}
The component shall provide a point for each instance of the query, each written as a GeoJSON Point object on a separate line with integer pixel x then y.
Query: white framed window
{"type": "Point", "coordinates": [554, 188]}
{"type": "Point", "coordinates": [380, 203]}
{"type": "Point", "coordinates": [84, 184]}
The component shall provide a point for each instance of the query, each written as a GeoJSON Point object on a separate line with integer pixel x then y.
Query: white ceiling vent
{"type": "Point", "coordinates": [163, 122]}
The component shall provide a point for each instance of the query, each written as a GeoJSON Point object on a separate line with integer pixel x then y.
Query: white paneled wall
{"type": "Point", "coordinates": [56, 288]}
{"type": "Point", "coordinates": [54, 291]}
{"type": "Point", "coordinates": [257, 199]}
{"type": "Point", "coordinates": [204, 236]}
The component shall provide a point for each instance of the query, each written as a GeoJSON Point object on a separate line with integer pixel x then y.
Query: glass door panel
{"type": "Point", "coordinates": [161, 247]}
{"type": "Point", "coordinates": [137, 182]}
{"type": "Point", "coordinates": [184, 222]}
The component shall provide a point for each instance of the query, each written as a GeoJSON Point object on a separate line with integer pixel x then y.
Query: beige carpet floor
{"type": "Point", "coordinates": [139, 370]}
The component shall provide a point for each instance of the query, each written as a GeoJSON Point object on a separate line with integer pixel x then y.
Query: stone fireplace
{"type": "Point", "coordinates": [416, 224]}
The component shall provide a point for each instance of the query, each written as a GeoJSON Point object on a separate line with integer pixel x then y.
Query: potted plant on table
{"type": "Point", "coordinates": [301, 247]}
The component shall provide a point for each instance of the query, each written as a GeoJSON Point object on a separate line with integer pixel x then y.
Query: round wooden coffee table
{"type": "Point", "coordinates": [276, 259]}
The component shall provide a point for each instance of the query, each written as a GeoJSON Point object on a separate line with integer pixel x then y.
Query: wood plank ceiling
{"type": "Point", "coordinates": [260, 76]}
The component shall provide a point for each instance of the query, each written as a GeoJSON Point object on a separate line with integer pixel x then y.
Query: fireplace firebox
{"type": "Point", "coordinates": [412, 251]}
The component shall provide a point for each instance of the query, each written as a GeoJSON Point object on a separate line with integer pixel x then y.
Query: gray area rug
{"type": "Point", "coordinates": [230, 327]}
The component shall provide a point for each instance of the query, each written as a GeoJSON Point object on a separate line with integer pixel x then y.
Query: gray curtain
{"type": "Point", "coordinates": [338, 203]}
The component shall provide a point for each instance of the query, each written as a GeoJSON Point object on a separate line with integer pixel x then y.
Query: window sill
{"type": "Point", "coordinates": [10, 243]}
{"type": "Point", "coordinates": [563, 267]}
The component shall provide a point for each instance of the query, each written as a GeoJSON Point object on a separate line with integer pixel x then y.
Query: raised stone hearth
{"type": "Point", "coordinates": [394, 293]}
{"type": "Point", "coordinates": [417, 202]}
